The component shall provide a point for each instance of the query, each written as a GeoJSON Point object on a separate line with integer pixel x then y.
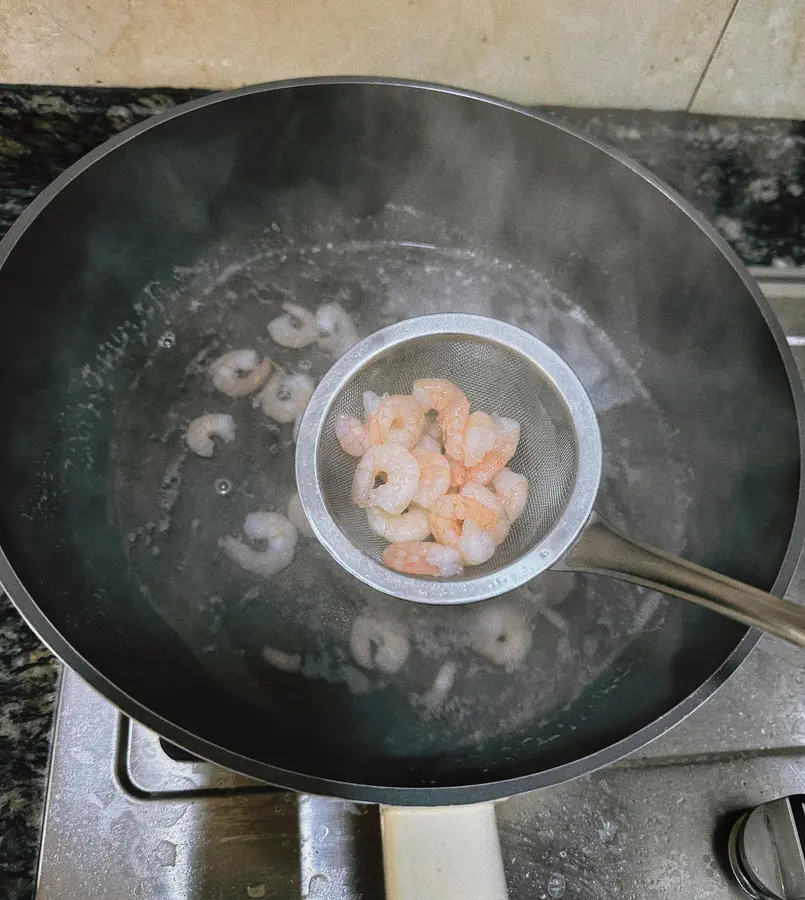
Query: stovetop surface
{"type": "Point", "coordinates": [744, 744]}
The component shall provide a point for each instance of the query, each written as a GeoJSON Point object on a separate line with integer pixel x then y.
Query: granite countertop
{"type": "Point", "coordinates": [747, 175]}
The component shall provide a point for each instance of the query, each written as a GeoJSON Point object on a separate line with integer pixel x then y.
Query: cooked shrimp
{"type": "Point", "coordinates": [402, 478]}
{"type": "Point", "coordinates": [476, 545]}
{"type": "Point", "coordinates": [433, 429]}
{"type": "Point", "coordinates": [352, 435]}
{"type": "Point", "coordinates": [202, 430]}
{"type": "Point", "coordinates": [442, 685]}
{"type": "Point", "coordinates": [426, 442]}
{"type": "Point", "coordinates": [452, 410]}
{"type": "Point", "coordinates": [465, 525]}
{"type": "Point", "coordinates": [296, 329]}
{"type": "Point", "coordinates": [512, 489]}
{"type": "Point", "coordinates": [379, 644]}
{"type": "Point", "coordinates": [458, 473]}
{"type": "Point", "coordinates": [434, 476]}
{"type": "Point", "coordinates": [396, 420]}
{"type": "Point", "coordinates": [411, 525]}
{"type": "Point", "coordinates": [502, 635]}
{"type": "Point", "coordinates": [239, 373]}
{"type": "Point", "coordinates": [481, 436]}
{"type": "Point", "coordinates": [371, 401]}
{"type": "Point", "coordinates": [285, 396]}
{"type": "Point", "coordinates": [296, 515]}
{"type": "Point", "coordinates": [508, 436]}
{"type": "Point", "coordinates": [279, 659]}
{"type": "Point", "coordinates": [276, 531]}
{"type": "Point", "coordinates": [423, 558]}
{"type": "Point", "coordinates": [483, 495]}
{"type": "Point", "coordinates": [454, 506]}
{"type": "Point", "coordinates": [336, 331]}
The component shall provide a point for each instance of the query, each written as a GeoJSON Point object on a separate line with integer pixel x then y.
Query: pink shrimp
{"type": "Point", "coordinates": [508, 436]}
{"type": "Point", "coordinates": [481, 438]}
{"type": "Point", "coordinates": [402, 479]}
{"type": "Point", "coordinates": [434, 476]}
{"type": "Point", "coordinates": [412, 525]}
{"type": "Point", "coordinates": [484, 496]}
{"type": "Point", "coordinates": [465, 525]}
{"type": "Point", "coordinates": [423, 558]}
{"type": "Point", "coordinates": [396, 420]}
{"type": "Point", "coordinates": [452, 411]}
{"type": "Point", "coordinates": [512, 490]}
{"type": "Point", "coordinates": [352, 435]}
{"type": "Point", "coordinates": [457, 472]}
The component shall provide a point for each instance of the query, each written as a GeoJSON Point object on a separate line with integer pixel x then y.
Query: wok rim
{"type": "Point", "coordinates": [394, 794]}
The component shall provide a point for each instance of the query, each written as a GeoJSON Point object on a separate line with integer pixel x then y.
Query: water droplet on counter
{"type": "Point", "coordinates": [167, 340]}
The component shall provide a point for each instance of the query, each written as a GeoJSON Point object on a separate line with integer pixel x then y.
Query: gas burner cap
{"type": "Point", "coordinates": [766, 850]}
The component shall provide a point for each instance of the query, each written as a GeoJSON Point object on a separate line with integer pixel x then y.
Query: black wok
{"type": "Point", "coordinates": [182, 237]}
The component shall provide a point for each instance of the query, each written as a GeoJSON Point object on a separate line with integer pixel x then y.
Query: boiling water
{"type": "Point", "coordinates": [171, 507]}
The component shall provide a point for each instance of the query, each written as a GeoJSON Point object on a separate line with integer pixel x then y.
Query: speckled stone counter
{"type": "Point", "coordinates": [746, 175]}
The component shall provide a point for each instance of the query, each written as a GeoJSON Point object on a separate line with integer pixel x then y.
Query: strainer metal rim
{"type": "Point", "coordinates": [559, 538]}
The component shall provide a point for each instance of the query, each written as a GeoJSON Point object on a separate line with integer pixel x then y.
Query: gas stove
{"type": "Point", "coordinates": [128, 816]}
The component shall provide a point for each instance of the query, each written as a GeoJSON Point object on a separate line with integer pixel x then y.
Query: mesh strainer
{"type": "Point", "coordinates": [506, 371]}
{"type": "Point", "coordinates": [502, 370]}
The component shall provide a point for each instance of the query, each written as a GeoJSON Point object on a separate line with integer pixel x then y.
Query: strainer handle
{"type": "Point", "coordinates": [604, 549]}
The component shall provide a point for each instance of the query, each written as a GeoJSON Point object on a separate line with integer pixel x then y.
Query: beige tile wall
{"type": "Point", "coordinates": [628, 53]}
{"type": "Point", "coordinates": [759, 66]}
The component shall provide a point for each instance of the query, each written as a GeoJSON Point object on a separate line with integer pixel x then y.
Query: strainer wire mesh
{"type": "Point", "coordinates": [496, 379]}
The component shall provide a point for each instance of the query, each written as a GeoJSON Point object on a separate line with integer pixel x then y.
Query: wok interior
{"type": "Point", "coordinates": [448, 203]}
{"type": "Point", "coordinates": [546, 451]}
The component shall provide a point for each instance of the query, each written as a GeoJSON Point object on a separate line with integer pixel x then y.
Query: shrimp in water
{"type": "Point", "coordinates": [402, 478]}
{"type": "Point", "coordinates": [512, 491]}
{"type": "Point", "coordinates": [442, 685]}
{"type": "Point", "coordinates": [201, 431]}
{"type": "Point", "coordinates": [452, 411]}
{"type": "Point", "coordinates": [239, 372]}
{"type": "Point", "coordinates": [396, 420]}
{"type": "Point", "coordinates": [296, 514]}
{"type": "Point", "coordinates": [279, 659]}
{"type": "Point", "coordinates": [379, 644]}
{"type": "Point", "coordinates": [296, 329]}
{"type": "Point", "coordinates": [434, 476]}
{"type": "Point", "coordinates": [285, 396]}
{"type": "Point", "coordinates": [423, 558]}
{"type": "Point", "coordinates": [493, 503]}
{"type": "Point", "coordinates": [506, 440]}
{"type": "Point", "coordinates": [336, 330]}
{"type": "Point", "coordinates": [352, 435]}
{"type": "Point", "coordinates": [272, 528]}
{"type": "Point", "coordinates": [408, 526]}
{"type": "Point", "coordinates": [502, 635]}
{"type": "Point", "coordinates": [466, 525]}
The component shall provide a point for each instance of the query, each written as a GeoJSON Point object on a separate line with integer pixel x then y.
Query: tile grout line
{"type": "Point", "coordinates": [710, 58]}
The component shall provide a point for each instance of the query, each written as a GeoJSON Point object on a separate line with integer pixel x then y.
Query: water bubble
{"type": "Point", "coordinates": [167, 340]}
{"type": "Point", "coordinates": [223, 486]}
